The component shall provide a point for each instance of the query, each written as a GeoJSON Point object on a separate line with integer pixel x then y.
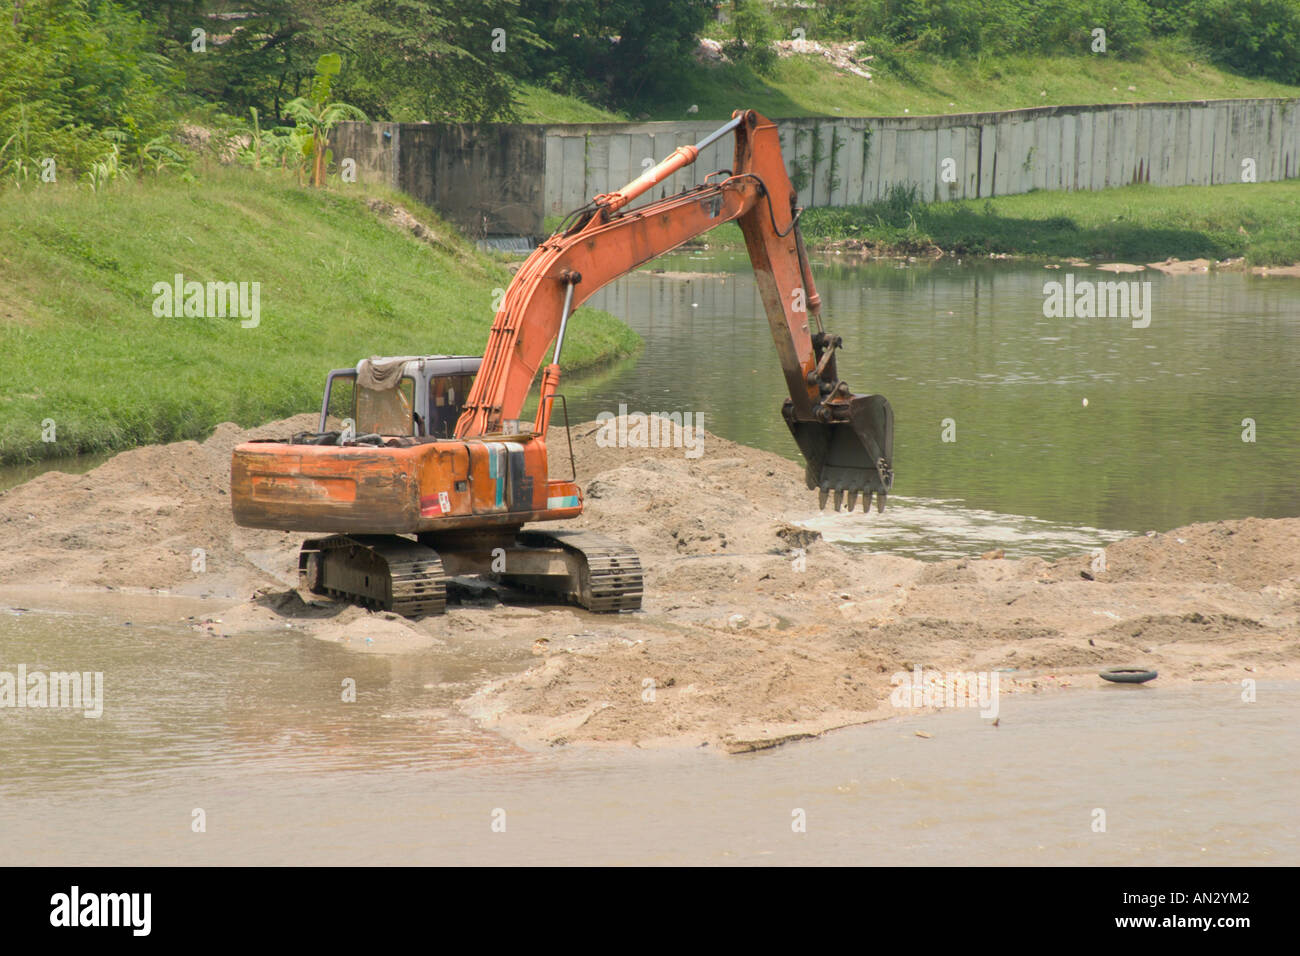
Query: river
{"type": "Point", "coordinates": [252, 732]}
{"type": "Point", "coordinates": [249, 734]}
{"type": "Point", "coordinates": [966, 349]}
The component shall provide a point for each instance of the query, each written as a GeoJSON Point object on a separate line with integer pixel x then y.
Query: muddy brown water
{"type": "Point", "coordinates": [13, 475]}
{"type": "Point", "coordinates": [253, 731]}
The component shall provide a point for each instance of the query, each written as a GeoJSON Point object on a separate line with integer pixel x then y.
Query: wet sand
{"type": "Point", "coordinates": [744, 642]}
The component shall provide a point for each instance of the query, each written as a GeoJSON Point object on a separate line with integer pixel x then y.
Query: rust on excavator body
{"type": "Point", "coordinates": [445, 485]}
{"type": "Point", "coordinates": [459, 492]}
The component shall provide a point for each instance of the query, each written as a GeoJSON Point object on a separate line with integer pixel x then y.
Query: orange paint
{"type": "Point", "coordinates": [485, 479]}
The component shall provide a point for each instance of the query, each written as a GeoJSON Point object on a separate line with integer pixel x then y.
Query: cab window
{"type": "Point", "coordinates": [385, 411]}
{"type": "Point", "coordinates": [446, 401]}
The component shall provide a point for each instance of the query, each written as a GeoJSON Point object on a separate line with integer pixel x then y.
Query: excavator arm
{"type": "Point", "coordinates": [409, 513]}
{"type": "Point", "coordinates": [846, 439]}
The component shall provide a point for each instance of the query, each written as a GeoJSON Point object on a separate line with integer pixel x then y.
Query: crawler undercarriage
{"type": "Point", "coordinates": [410, 575]}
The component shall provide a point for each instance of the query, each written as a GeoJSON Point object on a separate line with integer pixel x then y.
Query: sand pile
{"type": "Point", "coordinates": [136, 521]}
{"type": "Point", "coordinates": [743, 642]}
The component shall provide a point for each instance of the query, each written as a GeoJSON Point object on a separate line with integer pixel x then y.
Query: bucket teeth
{"type": "Point", "coordinates": [852, 496]}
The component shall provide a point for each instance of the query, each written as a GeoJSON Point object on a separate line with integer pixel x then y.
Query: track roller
{"type": "Point", "coordinates": [604, 575]}
{"type": "Point", "coordinates": [379, 571]}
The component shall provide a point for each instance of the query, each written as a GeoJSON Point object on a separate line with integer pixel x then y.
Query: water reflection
{"type": "Point", "coordinates": [174, 697]}
{"type": "Point", "coordinates": [1157, 445]}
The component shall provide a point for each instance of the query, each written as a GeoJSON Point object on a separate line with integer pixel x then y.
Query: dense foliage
{"type": "Point", "coordinates": [1255, 37]}
{"type": "Point", "coordinates": [103, 87]}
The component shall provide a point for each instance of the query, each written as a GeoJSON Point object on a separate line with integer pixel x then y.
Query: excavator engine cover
{"type": "Point", "coordinates": [851, 454]}
{"type": "Point", "coordinates": [444, 477]}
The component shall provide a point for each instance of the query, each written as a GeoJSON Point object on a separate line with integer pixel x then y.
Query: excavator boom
{"type": "Point", "coordinates": [414, 507]}
{"type": "Point", "coordinates": [846, 439]}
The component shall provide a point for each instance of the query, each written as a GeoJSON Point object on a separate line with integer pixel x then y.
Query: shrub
{"type": "Point", "coordinates": [1255, 37]}
{"type": "Point", "coordinates": [753, 30]}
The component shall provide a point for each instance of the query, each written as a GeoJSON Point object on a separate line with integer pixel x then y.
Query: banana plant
{"type": "Point", "coordinates": [300, 144]}
{"type": "Point", "coordinates": [103, 171]}
{"type": "Point", "coordinates": [155, 154]}
{"type": "Point", "coordinates": [18, 169]}
{"type": "Point", "coordinates": [316, 116]}
{"type": "Point", "coordinates": [256, 143]}
{"type": "Point", "coordinates": [159, 152]}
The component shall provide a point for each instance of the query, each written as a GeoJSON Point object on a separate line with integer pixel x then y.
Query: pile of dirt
{"type": "Point", "coordinates": [401, 217]}
{"type": "Point", "coordinates": [754, 630]}
{"type": "Point", "coordinates": [1182, 267]}
{"type": "Point", "coordinates": [155, 518]}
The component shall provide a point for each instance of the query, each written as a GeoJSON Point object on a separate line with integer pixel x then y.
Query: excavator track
{"type": "Point", "coordinates": [380, 571]}
{"type": "Point", "coordinates": [490, 474]}
{"type": "Point", "coordinates": [609, 577]}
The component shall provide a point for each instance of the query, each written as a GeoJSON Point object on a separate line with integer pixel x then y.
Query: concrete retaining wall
{"type": "Point", "coordinates": [502, 178]}
{"type": "Point", "coordinates": [487, 178]}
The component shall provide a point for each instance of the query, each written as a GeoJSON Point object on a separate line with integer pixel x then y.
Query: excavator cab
{"type": "Point", "coordinates": [402, 397]}
{"type": "Point", "coordinates": [437, 478]}
{"type": "Point", "coordinates": [385, 411]}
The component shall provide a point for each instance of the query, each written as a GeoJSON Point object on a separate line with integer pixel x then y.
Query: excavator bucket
{"type": "Point", "coordinates": [851, 455]}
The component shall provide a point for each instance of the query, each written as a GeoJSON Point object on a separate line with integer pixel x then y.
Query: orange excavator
{"type": "Point", "coordinates": [434, 477]}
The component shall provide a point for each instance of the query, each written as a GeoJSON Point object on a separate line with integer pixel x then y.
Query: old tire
{"type": "Point", "coordinates": [1127, 675]}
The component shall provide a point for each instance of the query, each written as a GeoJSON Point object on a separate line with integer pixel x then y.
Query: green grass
{"type": "Point", "coordinates": [79, 343]}
{"type": "Point", "coordinates": [1135, 223]}
{"type": "Point", "coordinates": [535, 104]}
{"type": "Point", "coordinates": [809, 85]}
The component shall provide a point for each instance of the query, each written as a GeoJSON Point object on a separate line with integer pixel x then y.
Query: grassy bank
{"type": "Point", "coordinates": [810, 85]}
{"type": "Point", "coordinates": [81, 346]}
{"type": "Point", "coordinates": [536, 104]}
{"type": "Point", "coordinates": [1137, 223]}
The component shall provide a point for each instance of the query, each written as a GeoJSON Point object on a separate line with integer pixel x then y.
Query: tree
{"type": "Point", "coordinates": [1254, 37]}
{"type": "Point", "coordinates": [753, 28]}
{"type": "Point", "coordinates": [314, 114]}
{"type": "Point", "coordinates": [613, 51]}
{"type": "Point", "coordinates": [255, 55]}
{"type": "Point", "coordinates": [69, 72]}
{"type": "Point", "coordinates": [430, 59]}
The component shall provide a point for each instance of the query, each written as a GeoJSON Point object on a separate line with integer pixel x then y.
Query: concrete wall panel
{"type": "Point", "coordinates": [503, 178]}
